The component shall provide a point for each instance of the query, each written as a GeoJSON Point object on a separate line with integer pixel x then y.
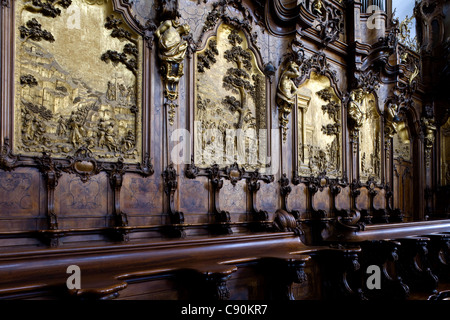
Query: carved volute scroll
{"type": "Point", "coordinates": [230, 117]}
{"type": "Point", "coordinates": [68, 95]}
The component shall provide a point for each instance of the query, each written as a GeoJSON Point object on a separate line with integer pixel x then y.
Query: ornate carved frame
{"type": "Point", "coordinates": [233, 172]}
{"type": "Point", "coordinates": [82, 163]}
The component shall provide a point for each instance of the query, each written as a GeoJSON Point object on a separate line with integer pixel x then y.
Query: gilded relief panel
{"type": "Point", "coordinates": [230, 111]}
{"type": "Point", "coordinates": [77, 80]}
{"type": "Point", "coordinates": [445, 153]}
{"type": "Point", "coordinates": [369, 139]}
{"type": "Point", "coordinates": [319, 128]}
{"type": "Point", "coordinates": [402, 142]}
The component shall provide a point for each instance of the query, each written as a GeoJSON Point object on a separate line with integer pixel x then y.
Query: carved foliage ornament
{"type": "Point", "coordinates": [330, 22]}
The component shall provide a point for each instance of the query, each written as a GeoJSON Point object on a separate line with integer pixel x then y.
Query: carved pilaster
{"type": "Point", "coordinates": [51, 172]}
{"type": "Point", "coordinates": [176, 218]}
{"type": "Point", "coordinates": [116, 174]}
{"type": "Point", "coordinates": [222, 218]}
{"type": "Point", "coordinates": [260, 217]}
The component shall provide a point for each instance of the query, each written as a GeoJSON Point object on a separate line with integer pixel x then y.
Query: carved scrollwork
{"type": "Point", "coordinates": [286, 222]}
{"type": "Point", "coordinates": [8, 161]}
{"type": "Point", "coordinates": [234, 173]}
{"type": "Point", "coordinates": [331, 22]}
{"type": "Point", "coordinates": [83, 164]}
{"type": "Point", "coordinates": [146, 167]}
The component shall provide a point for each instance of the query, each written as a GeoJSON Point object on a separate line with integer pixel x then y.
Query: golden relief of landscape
{"type": "Point", "coordinates": [230, 111]}
{"type": "Point", "coordinates": [319, 128]}
{"type": "Point", "coordinates": [77, 81]}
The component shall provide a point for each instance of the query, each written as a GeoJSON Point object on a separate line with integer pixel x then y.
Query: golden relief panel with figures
{"type": "Point", "coordinates": [77, 80]}
{"type": "Point", "coordinates": [230, 111]}
{"type": "Point", "coordinates": [445, 153]}
{"type": "Point", "coordinates": [319, 128]}
{"type": "Point", "coordinates": [369, 138]}
{"type": "Point", "coordinates": [402, 142]}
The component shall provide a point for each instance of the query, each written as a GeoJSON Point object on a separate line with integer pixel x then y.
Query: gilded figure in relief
{"type": "Point", "coordinates": [391, 120]}
{"type": "Point", "coordinates": [355, 106]}
{"type": "Point", "coordinates": [172, 46]}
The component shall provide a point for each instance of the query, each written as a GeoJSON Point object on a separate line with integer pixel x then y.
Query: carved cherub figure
{"type": "Point", "coordinates": [287, 88]}
{"type": "Point", "coordinates": [287, 91]}
{"type": "Point", "coordinates": [391, 120]}
{"type": "Point", "coordinates": [172, 46]}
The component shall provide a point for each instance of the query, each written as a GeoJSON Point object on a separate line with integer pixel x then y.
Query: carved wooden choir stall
{"type": "Point", "coordinates": [224, 149]}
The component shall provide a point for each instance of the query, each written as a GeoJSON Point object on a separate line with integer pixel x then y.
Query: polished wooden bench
{"type": "Point", "coordinates": [414, 256]}
{"type": "Point", "coordinates": [107, 270]}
